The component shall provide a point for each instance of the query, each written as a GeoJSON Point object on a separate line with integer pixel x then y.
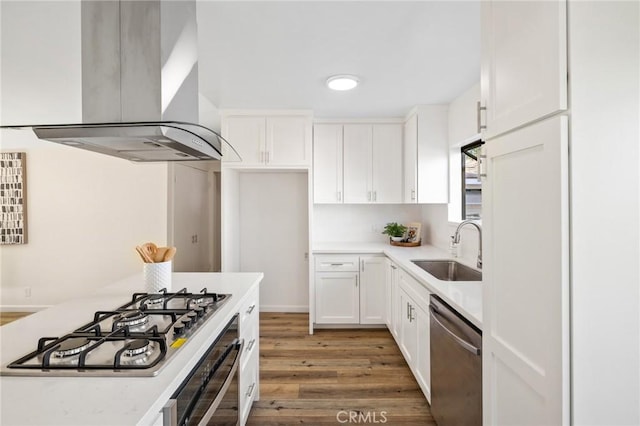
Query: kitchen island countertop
{"type": "Point", "coordinates": [106, 400]}
{"type": "Point", "coordinates": [463, 296]}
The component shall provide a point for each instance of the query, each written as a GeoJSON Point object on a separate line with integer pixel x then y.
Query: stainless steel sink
{"type": "Point", "coordinates": [449, 270]}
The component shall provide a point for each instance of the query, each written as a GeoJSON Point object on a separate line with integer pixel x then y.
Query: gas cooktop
{"type": "Point", "coordinates": [136, 339]}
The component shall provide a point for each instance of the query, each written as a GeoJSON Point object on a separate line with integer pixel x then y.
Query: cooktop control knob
{"type": "Point", "coordinates": [178, 328]}
{"type": "Point", "coordinates": [199, 311]}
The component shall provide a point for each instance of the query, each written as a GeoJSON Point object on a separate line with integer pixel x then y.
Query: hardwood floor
{"type": "Point", "coordinates": [7, 317]}
{"type": "Point", "coordinates": [333, 377]}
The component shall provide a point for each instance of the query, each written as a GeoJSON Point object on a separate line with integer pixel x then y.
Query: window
{"type": "Point", "coordinates": [471, 183]}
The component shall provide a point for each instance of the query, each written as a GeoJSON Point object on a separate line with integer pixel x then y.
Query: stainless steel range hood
{"type": "Point", "coordinates": [139, 84]}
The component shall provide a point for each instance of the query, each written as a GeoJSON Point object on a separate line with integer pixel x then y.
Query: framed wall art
{"type": "Point", "coordinates": [13, 198]}
{"type": "Point", "coordinates": [414, 232]}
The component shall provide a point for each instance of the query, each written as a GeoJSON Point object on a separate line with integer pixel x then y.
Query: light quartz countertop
{"type": "Point", "coordinates": [106, 400]}
{"type": "Point", "coordinates": [464, 296]}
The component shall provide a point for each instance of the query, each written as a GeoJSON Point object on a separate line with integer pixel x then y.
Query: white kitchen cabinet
{"type": "Point", "coordinates": [337, 297]}
{"type": "Point", "coordinates": [372, 289]}
{"type": "Point", "coordinates": [517, 86]}
{"type": "Point", "coordinates": [349, 289]}
{"type": "Point", "coordinates": [249, 383]}
{"type": "Point", "coordinates": [269, 141]}
{"type": "Point", "coordinates": [392, 302]}
{"type": "Point", "coordinates": [526, 276]}
{"type": "Point", "coordinates": [426, 155]}
{"type": "Point", "coordinates": [372, 163]}
{"type": "Point", "coordinates": [327, 163]}
{"type": "Point", "coordinates": [414, 333]}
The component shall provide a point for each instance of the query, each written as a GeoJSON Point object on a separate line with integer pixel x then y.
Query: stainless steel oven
{"type": "Point", "coordinates": [209, 395]}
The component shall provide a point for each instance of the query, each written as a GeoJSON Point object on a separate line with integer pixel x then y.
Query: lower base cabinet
{"type": "Point", "coordinates": [350, 289]}
{"type": "Point", "coordinates": [413, 336]}
{"type": "Point", "coordinates": [249, 380]}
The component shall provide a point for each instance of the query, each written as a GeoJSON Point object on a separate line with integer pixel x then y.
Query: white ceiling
{"type": "Point", "coordinates": [279, 54]}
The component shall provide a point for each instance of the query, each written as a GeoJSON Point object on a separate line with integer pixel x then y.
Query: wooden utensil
{"type": "Point", "coordinates": [170, 253]}
{"type": "Point", "coordinates": [160, 253]}
{"type": "Point", "coordinates": [150, 249]}
{"type": "Point", "coordinates": [143, 254]}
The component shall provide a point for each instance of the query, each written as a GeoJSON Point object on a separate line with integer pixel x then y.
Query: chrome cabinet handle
{"type": "Point", "coordinates": [411, 317]}
{"type": "Point", "coordinates": [375, 195]}
{"type": "Point", "coordinates": [466, 345]}
{"type": "Point", "coordinates": [407, 310]}
{"type": "Point", "coordinates": [250, 345]}
{"type": "Point", "coordinates": [250, 391]}
{"type": "Point", "coordinates": [362, 265]}
{"type": "Point", "coordinates": [368, 195]}
{"type": "Point", "coordinates": [479, 109]}
{"type": "Point", "coordinates": [413, 194]}
{"type": "Point", "coordinates": [482, 166]}
{"type": "Point", "coordinates": [251, 308]}
{"type": "Point", "coordinates": [339, 195]}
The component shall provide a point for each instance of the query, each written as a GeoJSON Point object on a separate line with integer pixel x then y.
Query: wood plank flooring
{"type": "Point", "coordinates": [333, 377]}
{"type": "Point", "coordinates": [7, 317]}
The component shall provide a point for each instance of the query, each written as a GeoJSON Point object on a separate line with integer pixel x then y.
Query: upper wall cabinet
{"type": "Point", "coordinates": [426, 155]}
{"type": "Point", "coordinates": [327, 163]}
{"type": "Point", "coordinates": [524, 63]}
{"type": "Point", "coordinates": [357, 163]}
{"type": "Point", "coordinates": [273, 140]}
{"type": "Point", "coordinates": [372, 163]}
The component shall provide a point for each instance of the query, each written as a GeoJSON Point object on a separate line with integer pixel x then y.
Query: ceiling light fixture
{"type": "Point", "coordinates": [342, 82]}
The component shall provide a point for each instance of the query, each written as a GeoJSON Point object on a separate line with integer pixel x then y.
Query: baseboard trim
{"type": "Point", "coordinates": [23, 308]}
{"type": "Point", "coordinates": [319, 326]}
{"type": "Point", "coordinates": [284, 308]}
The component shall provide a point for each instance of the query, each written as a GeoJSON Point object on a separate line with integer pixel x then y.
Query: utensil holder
{"type": "Point", "coordinates": [157, 276]}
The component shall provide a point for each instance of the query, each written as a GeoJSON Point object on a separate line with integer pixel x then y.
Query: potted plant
{"type": "Point", "coordinates": [395, 231]}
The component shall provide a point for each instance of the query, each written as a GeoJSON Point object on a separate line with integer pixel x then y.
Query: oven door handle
{"type": "Point", "coordinates": [170, 412]}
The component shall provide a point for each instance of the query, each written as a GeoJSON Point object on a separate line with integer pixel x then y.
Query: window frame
{"type": "Point", "coordinates": [464, 151]}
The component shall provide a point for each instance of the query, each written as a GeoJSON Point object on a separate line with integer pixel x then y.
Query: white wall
{"type": "Point", "coordinates": [86, 212]}
{"type": "Point", "coordinates": [605, 184]}
{"type": "Point", "coordinates": [274, 237]}
{"type": "Point", "coordinates": [359, 222]}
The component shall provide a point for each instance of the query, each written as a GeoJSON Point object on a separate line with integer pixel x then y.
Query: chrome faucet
{"type": "Point", "coordinates": [456, 238]}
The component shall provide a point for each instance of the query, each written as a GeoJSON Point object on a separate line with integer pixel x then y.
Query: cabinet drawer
{"type": "Point", "coordinates": [337, 263]}
{"type": "Point", "coordinates": [249, 332]}
{"type": "Point", "coordinates": [249, 310]}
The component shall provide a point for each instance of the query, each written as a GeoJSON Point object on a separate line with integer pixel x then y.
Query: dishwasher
{"type": "Point", "coordinates": [456, 367]}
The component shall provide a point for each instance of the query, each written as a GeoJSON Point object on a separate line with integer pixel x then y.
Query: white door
{"type": "Point", "coordinates": [410, 150]}
{"type": "Point", "coordinates": [386, 169]}
{"type": "Point", "coordinates": [518, 86]}
{"type": "Point", "coordinates": [288, 141]}
{"type": "Point", "coordinates": [526, 284]}
{"type": "Point", "coordinates": [192, 219]}
{"type": "Point", "coordinates": [247, 135]}
{"type": "Point", "coordinates": [327, 163]}
{"type": "Point", "coordinates": [357, 163]}
{"type": "Point", "coordinates": [337, 298]}
{"type": "Point", "coordinates": [372, 293]}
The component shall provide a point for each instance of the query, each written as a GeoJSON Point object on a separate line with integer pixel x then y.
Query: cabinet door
{"type": "Point", "coordinates": [517, 86]}
{"type": "Point", "coordinates": [357, 163]}
{"type": "Point", "coordinates": [247, 135]}
{"type": "Point", "coordinates": [408, 328]}
{"type": "Point", "coordinates": [433, 154]}
{"type": "Point", "coordinates": [410, 150]}
{"type": "Point", "coordinates": [395, 302]}
{"type": "Point", "coordinates": [327, 163]}
{"type": "Point", "coordinates": [526, 284]}
{"type": "Point", "coordinates": [386, 170]}
{"type": "Point", "coordinates": [288, 141]}
{"type": "Point", "coordinates": [372, 284]}
{"type": "Point", "coordinates": [337, 298]}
